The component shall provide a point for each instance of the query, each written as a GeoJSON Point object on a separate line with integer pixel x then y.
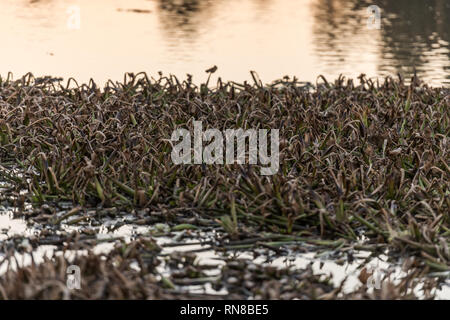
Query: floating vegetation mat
{"type": "Point", "coordinates": [363, 166]}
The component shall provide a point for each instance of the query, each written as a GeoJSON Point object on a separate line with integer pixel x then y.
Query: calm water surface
{"type": "Point", "coordinates": [304, 38]}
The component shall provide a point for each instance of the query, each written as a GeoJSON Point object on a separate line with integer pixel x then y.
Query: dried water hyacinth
{"type": "Point", "coordinates": [127, 273]}
{"type": "Point", "coordinates": [353, 156]}
{"type": "Point", "coordinates": [245, 278]}
{"type": "Point", "coordinates": [110, 276]}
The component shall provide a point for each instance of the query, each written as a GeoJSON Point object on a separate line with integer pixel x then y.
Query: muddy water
{"type": "Point", "coordinates": [326, 263]}
{"type": "Point", "coordinates": [105, 38]}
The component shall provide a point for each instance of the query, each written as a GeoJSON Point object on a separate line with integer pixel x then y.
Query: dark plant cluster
{"type": "Point", "coordinates": [366, 158]}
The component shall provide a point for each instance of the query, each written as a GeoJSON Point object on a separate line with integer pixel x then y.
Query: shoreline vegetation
{"type": "Point", "coordinates": [363, 165]}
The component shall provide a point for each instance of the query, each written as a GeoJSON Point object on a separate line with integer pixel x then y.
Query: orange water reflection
{"type": "Point", "coordinates": [274, 37]}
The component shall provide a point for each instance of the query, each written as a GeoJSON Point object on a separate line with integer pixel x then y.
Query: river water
{"type": "Point", "coordinates": [323, 263]}
{"type": "Point", "coordinates": [103, 39]}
